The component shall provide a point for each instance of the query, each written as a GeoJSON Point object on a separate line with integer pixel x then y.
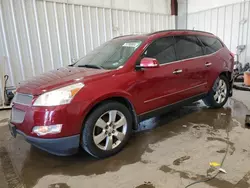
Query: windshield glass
{"type": "Point", "coordinates": [110, 55]}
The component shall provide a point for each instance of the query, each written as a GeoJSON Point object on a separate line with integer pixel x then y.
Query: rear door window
{"type": "Point", "coordinates": [162, 49]}
{"type": "Point", "coordinates": [188, 47]}
{"type": "Point", "coordinates": [211, 44]}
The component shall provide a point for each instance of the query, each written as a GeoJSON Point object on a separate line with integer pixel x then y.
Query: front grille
{"type": "Point", "coordinates": [24, 99]}
{"type": "Point", "coordinates": [17, 116]}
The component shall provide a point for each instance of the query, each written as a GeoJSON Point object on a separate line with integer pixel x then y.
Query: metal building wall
{"type": "Point", "coordinates": [38, 35]}
{"type": "Point", "coordinates": [231, 23]}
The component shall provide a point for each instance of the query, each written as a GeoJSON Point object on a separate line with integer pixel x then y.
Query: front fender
{"type": "Point", "coordinates": [110, 96]}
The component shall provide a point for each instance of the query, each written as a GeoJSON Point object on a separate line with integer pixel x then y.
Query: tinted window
{"type": "Point", "coordinates": [211, 44]}
{"type": "Point", "coordinates": [162, 49]}
{"type": "Point", "coordinates": [187, 47]}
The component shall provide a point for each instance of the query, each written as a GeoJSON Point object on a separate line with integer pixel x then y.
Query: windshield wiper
{"type": "Point", "coordinates": [91, 66]}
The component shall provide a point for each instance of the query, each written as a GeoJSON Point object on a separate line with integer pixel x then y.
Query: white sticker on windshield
{"type": "Point", "coordinates": [131, 44]}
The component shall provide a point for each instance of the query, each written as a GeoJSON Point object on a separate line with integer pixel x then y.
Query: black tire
{"type": "Point", "coordinates": [88, 143]}
{"type": "Point", "coordinates": [210, 100]}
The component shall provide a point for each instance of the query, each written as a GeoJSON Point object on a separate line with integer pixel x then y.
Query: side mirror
{"type": "Point", "coordinates": [148, 63]}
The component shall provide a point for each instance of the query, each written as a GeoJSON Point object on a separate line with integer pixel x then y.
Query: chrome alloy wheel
{"type": "Point", "coordinates": [220, 92]}
{"type": "Point", "coordinates": [110, 130]}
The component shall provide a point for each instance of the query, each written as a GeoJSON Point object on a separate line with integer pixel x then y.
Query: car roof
{"type": "Point", "coordinates": [181, 31]}
{"type": "Point", "coordinates": [165, 32]}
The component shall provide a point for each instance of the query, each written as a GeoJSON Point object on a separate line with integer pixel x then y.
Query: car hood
{"type": "Point", "coordinates": [58, 78]}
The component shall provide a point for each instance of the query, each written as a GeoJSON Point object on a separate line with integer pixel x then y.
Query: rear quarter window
{"type": "Point", "coordinates": [211, 44]}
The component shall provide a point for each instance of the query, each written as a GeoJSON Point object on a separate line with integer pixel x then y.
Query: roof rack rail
{"type": "Point", "coordinates": [123, 36]}
{"type": "Point", "coordinates": [179, 30]}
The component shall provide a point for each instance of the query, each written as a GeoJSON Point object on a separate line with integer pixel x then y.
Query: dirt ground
{"type": "Point", "coordinates": [170, 151]}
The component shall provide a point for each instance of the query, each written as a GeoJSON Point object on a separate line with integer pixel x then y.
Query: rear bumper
{"type": "Point", "coordinates": [231, 86]}
{"type": "Point", "coordinates": [58, 146]}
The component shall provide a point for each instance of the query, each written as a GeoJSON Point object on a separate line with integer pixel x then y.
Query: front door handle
{"type": "Point", "coordinates": [207, 64]}
{"type": "Point", "coordinates": [177, 71]}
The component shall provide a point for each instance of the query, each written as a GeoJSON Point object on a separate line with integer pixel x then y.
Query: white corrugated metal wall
{"type": "Point", "coordinates": [39, 35]}
{"type": "Point", "coordinates": [231, 23]}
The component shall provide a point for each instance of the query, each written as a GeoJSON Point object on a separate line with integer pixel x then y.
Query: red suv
{"type": "Point", "coordinates": [97, 102]}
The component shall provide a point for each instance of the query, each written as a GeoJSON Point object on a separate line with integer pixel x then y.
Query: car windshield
{"type": "Point", "coordinates": [110, 55]}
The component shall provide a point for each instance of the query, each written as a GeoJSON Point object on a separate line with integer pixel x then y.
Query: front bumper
{"type": "Point", "coordinates": [57, 146]}
{"type": "Point", "coordinates": [71, 116]}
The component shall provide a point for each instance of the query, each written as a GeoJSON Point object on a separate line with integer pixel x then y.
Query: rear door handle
{"type": "Point", "coordinates": [177, 71]}
{"type": "Point", "coordinates": [207, 64]}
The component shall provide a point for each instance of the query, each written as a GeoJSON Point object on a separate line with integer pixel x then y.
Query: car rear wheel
{"type": "Point", "coordinates": [107, 130]}
{"type": "Point", "coordinates": [218, 96]}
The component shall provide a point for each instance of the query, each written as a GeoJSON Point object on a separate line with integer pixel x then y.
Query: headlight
{"type": "Point", "coordinates": [59, 96]}
{"type": "Point", "coordinates": [43, 130]}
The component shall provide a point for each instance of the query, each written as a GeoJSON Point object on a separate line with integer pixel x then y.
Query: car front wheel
{"type": "Point", "coordinates": [218, 95]}
{"type": "Point", "coordinates": [107, 130]}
